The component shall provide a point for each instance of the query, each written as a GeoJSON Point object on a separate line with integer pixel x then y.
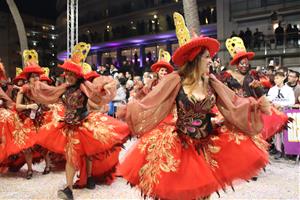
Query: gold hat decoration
{"type": "Point", "coordinates": [182, 32]}
{"type": "Point", "coordinates": [235, 45]}
{"type": "Point", "coordinates": [80, 52]}
{"type": "Point", "coordinates": [30, 56]}
{"type": "Point", "coordinates": [164, 55]}
{"type": "Point", "coordinates": [46, 71]}
{"type": "Point", "coordinates": [18, 71]}
{"type": "Point", "coordinates": [86, 68]}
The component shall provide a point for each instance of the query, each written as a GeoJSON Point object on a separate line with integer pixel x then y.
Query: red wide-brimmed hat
{"type": "Point", "coordinates": [237, 50]}
{"type": "Point", "coordinates": [189, 47]}
{"type": "Point", "coordinates": [71, 66]}
{"type": "Point", "coordinates": [162, 64]}
{"type": "Point", "coordinates": [32, 68]}
{"type": "Point", "coordinates": [44, 77]}
{"type": "Point", "coordinates": [21, 76]}
{"type": "Point", "coordinates": [163, 61]}
{"type": "Point", "coordinates": [91, 75]}
{"type": "Point", "coordinates": [235, 60]}
{"type": "Point", "coordinates": [190, 50]}
{"type": "Point", "coordinates": [76, 62]}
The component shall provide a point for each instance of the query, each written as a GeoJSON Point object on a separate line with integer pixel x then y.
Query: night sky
{"type": "Point", "coordinates": [39, 8]}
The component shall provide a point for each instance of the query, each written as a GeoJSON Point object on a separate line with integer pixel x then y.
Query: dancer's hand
{"type": "Point", "coordinates": [33, 106]}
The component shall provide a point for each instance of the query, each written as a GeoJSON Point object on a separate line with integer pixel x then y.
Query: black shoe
{"type": "Point", "coordinates": [47, 170]}
{"type": "Point", "coordinates": [90, 183]}
{"type": "Point", "coordinates": [65, 194]}
{"type": "Point", "coordinates": [273, 151]}
{"type": "Point", "coordinates": [278, 155]}
{"type": "Point", "coordinates": [29, 174]}
{"type": "Point", "coordinates": [254, 178]}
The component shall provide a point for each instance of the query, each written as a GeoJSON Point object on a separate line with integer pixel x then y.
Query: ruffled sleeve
{"type": "Point", "coordinates": [243, 113]}
{"type": "Point", "coordinates": [142, 116]}
{"type": "Point", "coordinates": [101, 91]}
{"type": "Point", "coordinates": [43, 93]}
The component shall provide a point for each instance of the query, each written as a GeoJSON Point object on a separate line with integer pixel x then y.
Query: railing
{"type": "Point", "coordinates": [125, 8]}
{"type": "Point", "coordinates": [268, 43]}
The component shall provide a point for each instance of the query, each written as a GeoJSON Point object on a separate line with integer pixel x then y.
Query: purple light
{"type": "Point", "coordinates": [137, 41]}
{"type": "Point", "coordinates": [94, 47]}
{"type": "Point", "coordinates": [143, 40]}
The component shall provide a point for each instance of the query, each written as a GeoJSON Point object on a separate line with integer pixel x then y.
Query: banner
{"type": "Point", "coordinates": [291, 136]}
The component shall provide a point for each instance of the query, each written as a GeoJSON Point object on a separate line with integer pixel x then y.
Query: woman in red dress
{"type": "Point", "coordinates": [102, 165]}
{"type": "Point", "coordinates": [195, 157]}
{"type": "Point", "coordinates": [80, 135]}
{"type": "Point", "coordinates": [31, 117]}
{"type": "Point", "coordinates": [246, 82]}
{"type": "Point", "coordinates": [7, 117]}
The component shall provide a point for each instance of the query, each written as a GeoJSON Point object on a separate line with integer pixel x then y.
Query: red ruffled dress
{"type": "Point", "coordinates": [7, 117]}
{"type": "Point", "coordinates": [27, 123]}
{"type": "Point", "coordinates": [193, 158]}
{"type": "Point", "coordinates": [80, 134]}
{"type": "Point", "coordinates": [22, 133]}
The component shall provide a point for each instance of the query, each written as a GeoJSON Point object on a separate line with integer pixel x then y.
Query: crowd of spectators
{"type": "Point", "coordinates": [289, 36]}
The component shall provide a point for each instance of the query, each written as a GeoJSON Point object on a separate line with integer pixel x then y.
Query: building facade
{"type": "Point", "coordinates": [128, 33]}
{"type": "Point", "coordinates": [41, 35]}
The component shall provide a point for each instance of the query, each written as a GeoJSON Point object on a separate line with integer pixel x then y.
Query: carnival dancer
{"type": "Point", "coordinates": [103, 165]}
{"type": "Point", "coordinates": [162, 67]}
{"type": "Point", "coordinates": [246, 82]}
{"type": "Point", "coordinates": [26, 123]}
{"type": "Point", "coordinates": [79, 135]}
{"type": "Point", "coordinates": [194, 158]}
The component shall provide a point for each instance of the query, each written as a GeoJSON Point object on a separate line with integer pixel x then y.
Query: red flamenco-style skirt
{"type": "Point", "coordinates": [21, 134]}
{"type": "Point", "coordinates": [98, 137]}
{"type": "Point", "coordinates": [168, 165]}
{"type": "Point", "coordinates": [7, 118]}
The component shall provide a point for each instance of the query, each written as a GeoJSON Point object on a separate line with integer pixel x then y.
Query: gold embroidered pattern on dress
{"type": "Point", "coordinates": [5, 115]}
{"type": "Point", "coordinates": [70, 146]}
{"type": "Point", "coordinates": [158, 148]}
{"type": "Point", "coordinates": [2, 138]}
{"type": "Point", "coordinates": [20, 132]}
{"type": "Point", "coordinates": [211, 149]}
{"type": "Point", "coordinates": [102, 131]}
{"type": "Point", "coordinates": [234, 135]}
{"type": "Point", "coordinates": [56, 118]}
{"type": "Point", "coordinates": [260, 143]}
